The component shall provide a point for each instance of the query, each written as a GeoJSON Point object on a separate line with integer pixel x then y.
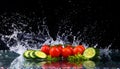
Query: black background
{"type": "Point", "coordinates": [79, 12]}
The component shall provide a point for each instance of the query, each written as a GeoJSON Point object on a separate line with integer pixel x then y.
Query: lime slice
{"type": "Point", "coordinates": [89, 52]}
{"type": "Point", "coordinates": [40, 54]}
{"type": "Point", "coordinates": [89, 64]}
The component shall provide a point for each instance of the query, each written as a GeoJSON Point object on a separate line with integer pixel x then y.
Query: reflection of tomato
{"type": "Point", "coordinates": [68, 65]}
{"type": "Point", "coordinates": [77, 50]}
{"type": "Point", "coordinates": [61, 65]}
{"type": "Point", "coordinates": [45, 66]}
{"type": "Point", "coordinates": [54, 65]}
{"type": "Point", "coordinates": [65, 65]}
{"type": "Point", "coordinates": [75, 66]}
{"type": "Point", "coordinates": [45, 49]}
{"type": "Point", "coordinates": [54, 52]}
{"type": "Point", "coordinates": [51, 65]}
{"type": "Point", "coordinates": [66, 52]}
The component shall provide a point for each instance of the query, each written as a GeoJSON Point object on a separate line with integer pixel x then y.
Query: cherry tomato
{"type": "Point", "coordinates": [45, 49]}
{"type": "Point", "coordinates": [54, 52]}
{"type": "Point", "coordinates": [71, 48]}
{"type": "Point", "coordinates": [66, 52]}
{"type": "Point", "coordinates": [77, 50]}
{"type": "Point", "coordinates": [60, 48]}
{"type": "Point", "coordinates": [81, 46]}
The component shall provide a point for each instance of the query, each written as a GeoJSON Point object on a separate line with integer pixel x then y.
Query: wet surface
{"type": "Point", "coordinates": [12, 60]}
{"type": "Point", "coordinates": [91, 21]}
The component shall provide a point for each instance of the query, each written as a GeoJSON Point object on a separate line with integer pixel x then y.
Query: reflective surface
{"type": "Point", "coordinates": [11, 60]}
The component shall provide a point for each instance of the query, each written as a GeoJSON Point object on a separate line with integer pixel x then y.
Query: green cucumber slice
{"type": "Point", "coordinates": [89, 52]}
{"type": "Point", "coordinates": [40, 54]}
{"type": "Point", "coordinates": [26, 54]}
{"type": "Point", "coordinates": [31, 54]}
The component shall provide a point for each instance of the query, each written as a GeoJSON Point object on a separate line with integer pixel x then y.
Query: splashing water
{"type": "Point", "coordinates": [106, 52]}
{"type": "Point", "coordinates": [21, 40]}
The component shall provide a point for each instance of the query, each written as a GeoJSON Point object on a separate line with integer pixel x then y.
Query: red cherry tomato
{"type": "Point", "coordinates": [66, 52]}
{"type": "Point", "coordinates": [60, 48]}
{"type": "Point", "coordinates": [81, 46]}
{"type": "Point", "coordinates": [77, 50]}
{"type": "Point", "coordinates": [71, 48]}
{"type": "Point", "coordinates": [54, 52]}
{"type": "Point", "coordinates": [45, 49]}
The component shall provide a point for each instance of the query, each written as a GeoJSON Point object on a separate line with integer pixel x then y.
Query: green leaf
{"type": "Point", "coordinates": [54, 59]}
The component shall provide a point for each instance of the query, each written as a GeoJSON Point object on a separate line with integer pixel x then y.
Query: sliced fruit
{"type": "Point", "coordinates": [26, 54]}
{"type": "Point", "coordinates": [89, 52]}
{"type": "Point", "coordinates": [89, 64]}
{"type": "Point", "coordinates": [40, 54]}
{"type": "Point", "coordinates": [31, 54]}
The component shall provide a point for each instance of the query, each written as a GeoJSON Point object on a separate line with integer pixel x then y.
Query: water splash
{"type": "Point", "coordinates": [17, 63]}
{"type": "Point", "coordinates": [106, 52]}
{"type": "Point", "coordinates": [20, 41]}
{"type": "Point", "coordinates": [20, 35]}
{"type": "Point", "coordinates": [23, 36]}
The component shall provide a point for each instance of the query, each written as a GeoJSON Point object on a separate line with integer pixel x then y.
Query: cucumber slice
{"type": "Point", "coordinates": [40, 54]}
{"type": "Point", "coordinates": [31, 54]}
{"type": "Point", "coordinates": [26, 54]}
{"type": "Point", "coordinates": [89, 52]}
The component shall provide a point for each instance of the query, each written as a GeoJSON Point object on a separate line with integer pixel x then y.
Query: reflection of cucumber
{"type": "Point", "coordinates": [89, 64]}
{"type": "Point", "coordinates": [26, 54]}
{"type": "Point", "coordinates": [89, 52]}
{"type": "Point", "coordinates": [28, 64]}
{"type": "Point", "coordinates": [40, 63]}
{"type": "Point", "coordinates": [40, 54]}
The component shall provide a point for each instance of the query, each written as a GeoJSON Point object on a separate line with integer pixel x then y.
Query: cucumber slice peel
{"type": "Point", "coordinates": [31, 54]}
{"type": "Point", "coordinates": [26, 54]}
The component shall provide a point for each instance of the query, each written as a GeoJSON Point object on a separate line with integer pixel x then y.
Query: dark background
{"type": "Point", "coordinates": [80, 13]}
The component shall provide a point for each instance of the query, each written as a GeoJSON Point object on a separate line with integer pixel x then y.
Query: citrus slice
{"type": "Point", "coordinates": [89, 64]}
{"type": "Point", "coordinates": [40, 54]}
{"type": "Point", "coordinates": [89, 52]}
